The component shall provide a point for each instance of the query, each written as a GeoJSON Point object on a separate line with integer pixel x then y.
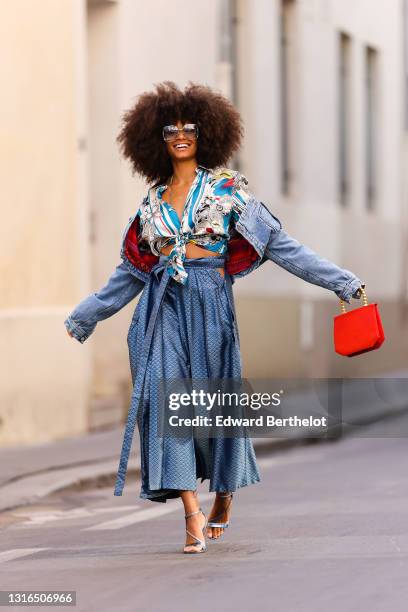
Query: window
{"type": "Point", "coordinates": [227, 78]}
{"type": "Point", "coordinates": [344, 106]}
{"type": "Point", "coordinates": [371, 119]}
{"type": "Point", "coordinates": [287, 39]}
{"type": "Point", "coordinates": [405, 39]}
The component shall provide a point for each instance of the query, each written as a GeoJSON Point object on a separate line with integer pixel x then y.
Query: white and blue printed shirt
{"type": "Point", "coordinates": [214, 202]}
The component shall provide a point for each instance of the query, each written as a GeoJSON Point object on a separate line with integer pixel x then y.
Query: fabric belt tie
{"type": "Point", "coordinates": [159, 268]}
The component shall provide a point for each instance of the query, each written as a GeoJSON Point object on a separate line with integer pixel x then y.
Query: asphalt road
{"type": "Point", "coordinates": [327, 528]}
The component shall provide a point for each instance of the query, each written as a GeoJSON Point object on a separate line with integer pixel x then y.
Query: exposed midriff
{"type": "Point", "coordinates": [192, 252]}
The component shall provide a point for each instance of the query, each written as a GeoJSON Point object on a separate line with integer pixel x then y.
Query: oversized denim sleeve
{"type": "Point", "coordinates": [258, 224]}
{"type": "Point", "coordinates": [121, 287]}
{"type": "Point", "coordinates": [305, 263]}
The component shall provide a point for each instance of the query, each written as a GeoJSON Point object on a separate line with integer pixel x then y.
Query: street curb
{"type": "Point", "coordinates": [34, 487]}
{"type": "Point", "coordinates": [31, 489]}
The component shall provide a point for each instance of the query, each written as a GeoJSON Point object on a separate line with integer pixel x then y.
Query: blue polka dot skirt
{"type": "Point", "coordinates": [183, 331]}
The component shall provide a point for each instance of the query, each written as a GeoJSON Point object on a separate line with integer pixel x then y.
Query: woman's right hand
{"type": "Point", "coordinates": [69, 333]}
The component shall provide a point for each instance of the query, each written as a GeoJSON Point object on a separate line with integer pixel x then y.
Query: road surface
{"type": "Point", "coordinates": [326, 529]}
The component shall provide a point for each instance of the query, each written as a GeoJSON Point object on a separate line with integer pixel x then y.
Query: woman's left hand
{"type": "Point", "coordinates": [357, 294]}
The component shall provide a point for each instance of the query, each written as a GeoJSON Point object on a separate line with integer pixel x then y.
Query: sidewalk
{"type": "Point", "coordinates": [30, 473]}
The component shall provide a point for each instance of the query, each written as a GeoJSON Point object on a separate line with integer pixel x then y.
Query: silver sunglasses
{"type": "Point", "coordinates": [170, 132]}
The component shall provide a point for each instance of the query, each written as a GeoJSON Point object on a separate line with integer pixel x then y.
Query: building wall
{"type": "Point", "coordinates": [370, 243]}
{"type": "Point", "coordinates": [43, 380]}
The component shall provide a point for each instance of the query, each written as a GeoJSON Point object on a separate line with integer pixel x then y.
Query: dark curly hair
{"type": "Point", "coordinates": [140, 139]}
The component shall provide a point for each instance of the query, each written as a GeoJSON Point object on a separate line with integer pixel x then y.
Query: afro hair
{"type": "Point", "coordinates": [140, 137]}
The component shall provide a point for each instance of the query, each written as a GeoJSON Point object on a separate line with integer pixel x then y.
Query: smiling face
{"type": "Point", "coordinates": [182, 148]}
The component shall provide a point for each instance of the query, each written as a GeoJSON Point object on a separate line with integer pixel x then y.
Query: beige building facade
{"type": "Point", "coordinates": [322, 88]}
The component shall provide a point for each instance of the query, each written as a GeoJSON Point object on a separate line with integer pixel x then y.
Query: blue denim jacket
{"type": "Point", "coordinates": [261, 229]}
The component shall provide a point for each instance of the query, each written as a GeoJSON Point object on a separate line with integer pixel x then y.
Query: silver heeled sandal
{"type": "Point", "coordinates": [214, 523]}
{"type": "Point", "coordinates": [200, 546]}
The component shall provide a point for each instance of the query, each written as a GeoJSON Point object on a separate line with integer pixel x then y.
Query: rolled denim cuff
{"type": "Point", "coordinates": [76, 330]}
{"type": "Point", "coordinates": [349, 289]}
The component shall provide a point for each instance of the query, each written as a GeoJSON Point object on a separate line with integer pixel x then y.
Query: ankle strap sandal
{"type": "Point", "coordinates": [213, 522]}
{"type": "Point", "coordinates": [200, 545]}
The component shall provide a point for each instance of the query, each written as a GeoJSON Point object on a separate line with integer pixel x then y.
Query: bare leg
{"type": "Point", "coordinates": [220, 513]}
{"type": "Point", "coordinates": [195, 523]}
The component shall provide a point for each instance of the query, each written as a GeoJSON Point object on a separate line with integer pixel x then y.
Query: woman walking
{"type": "Point", "coordinates": [197, 230]}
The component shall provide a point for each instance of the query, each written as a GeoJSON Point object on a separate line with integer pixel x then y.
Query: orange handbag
{"type": "Point", "coordinates": [358, 331]}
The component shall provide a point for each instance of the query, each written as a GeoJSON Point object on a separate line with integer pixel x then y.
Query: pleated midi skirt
{"type": "Point", "coordinates": [194, 336]}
